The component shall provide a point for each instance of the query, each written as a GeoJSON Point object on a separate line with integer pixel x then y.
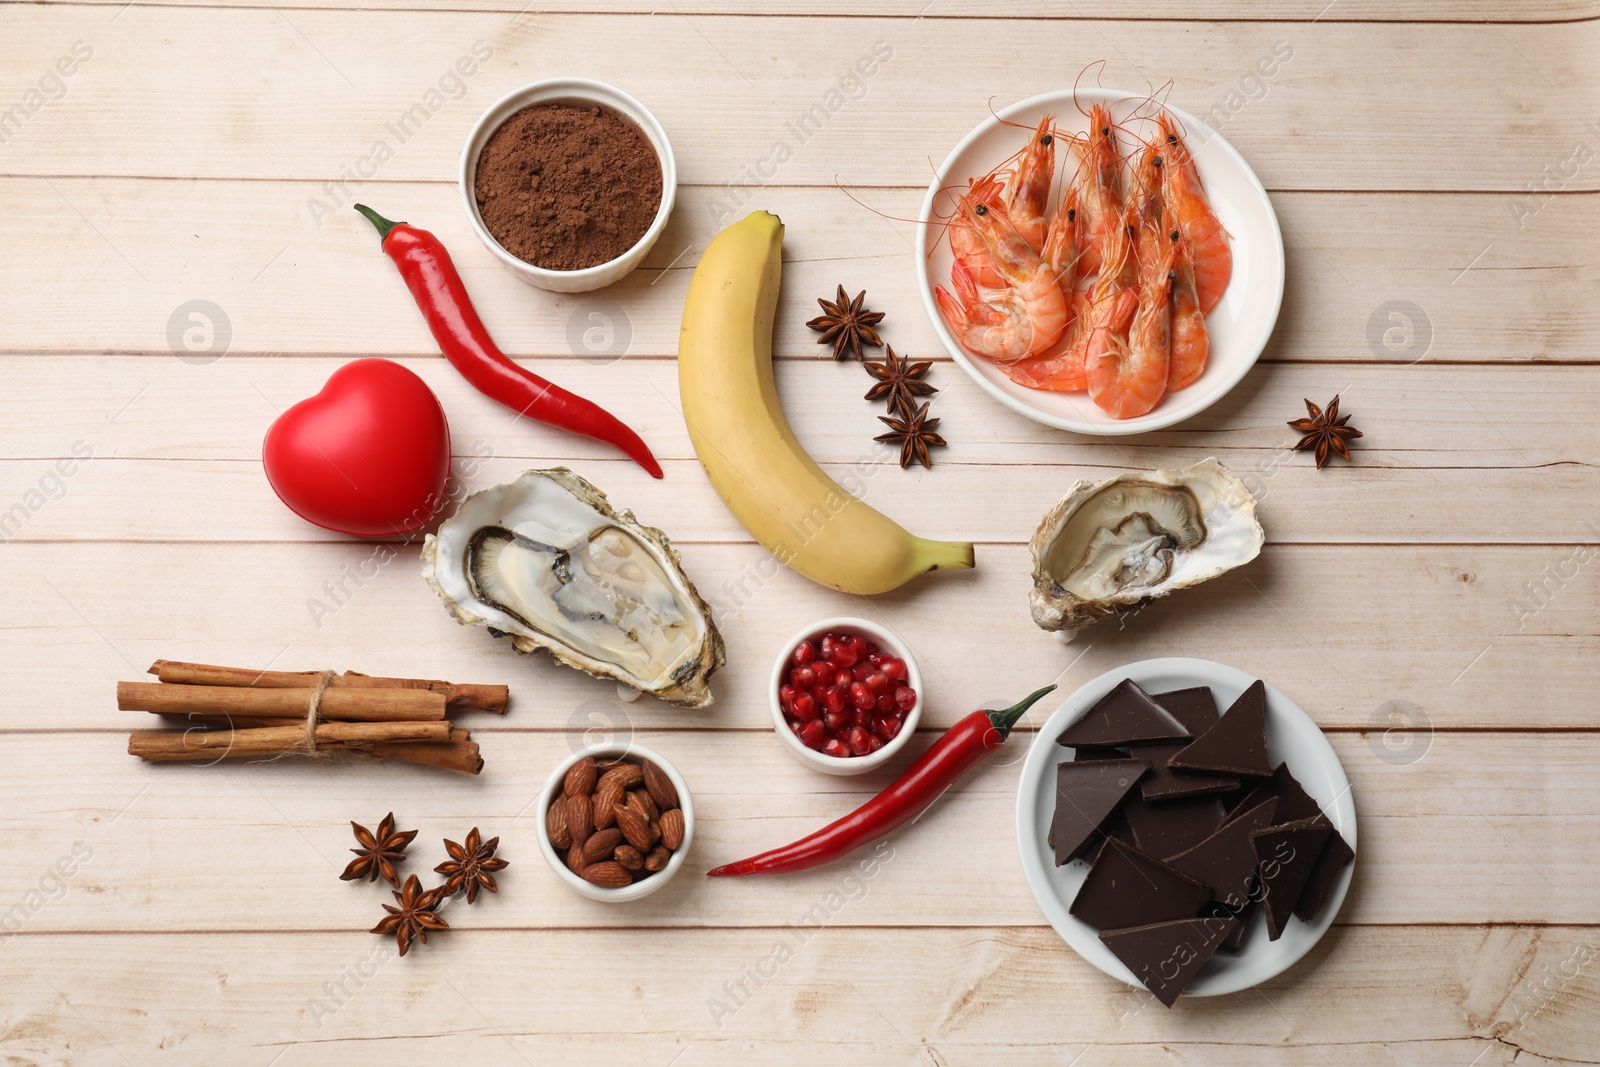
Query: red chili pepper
{"type": "Point", "coordinates": [908, 796]}
{"type": "Point", "coordinates": [438, 290]}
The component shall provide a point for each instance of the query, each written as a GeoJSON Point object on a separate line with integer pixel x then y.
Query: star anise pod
{"type": "Point", "coordinates": [471, 866]}
{"type": "Point", "coordinates": [1325, 430]}
{"type": "Point", "coordinates": [913, 433]}
{"type": "Point", "coordinates": [899, 382]}
{"type": "Point", "coordinates": [847, 325]}
{"type": "Point", "coordinates": [414, 917]}
{"type": "Point", "coordinates": [378, 853]}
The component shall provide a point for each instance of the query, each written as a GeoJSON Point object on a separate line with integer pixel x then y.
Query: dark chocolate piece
{"type": "Point", "coordinates": [1294, 803]}
{"type": "Point", "coordinates": [1226, 861]}
{"type": "Point", "coordinates": [1086, 753]}
{"type": "Point", "coordinates": [1336, 855]}
{"type": "Point", "coordinates": [1237, 744]}
{"type": "Point", "coordinates": [1126, 887]}
{"type": "Point", "coordinates": [1167, 827]}
{"type": "Point", "coordinates": [1166, 956]}
{"type": "Point", "coordinates": [1233, 944]}
{"type": "Point", "coordinates": [1115, 828]}
{"type": "Point", "coordinates": [1123, 716]}
{"type": "Point", "coordinates": [1086, 793]}
{"type": "Point", "coordinates": [1286, 854]}
{"type": "Point", "coordinates": [1197, 710]}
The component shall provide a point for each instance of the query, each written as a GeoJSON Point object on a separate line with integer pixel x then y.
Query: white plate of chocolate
{"type": "Point", "coordinates": [1185, 827]}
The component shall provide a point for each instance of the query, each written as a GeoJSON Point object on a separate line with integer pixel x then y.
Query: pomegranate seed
{"type": "Point", "coordinates": [802, 677]}
{"type": "Point", "coordinates": [858, 645]}
{"type": "Point", "coordinates": [884, 705]}
{"type": "Point", "coordinates": [805, 653]}
{"type": "Point", "coordinates": [842, 656]}
{"type": "Point", "coordinates": [861, 696]}
{"type": "Point", "coordinates": [889, 727]}
{"type": "Point", "coordinates": [862, 719]}
{"type": "Point", "coordinates": [895, 668]}
{"type": "Point", "coordinates": [835, 747]}
{"type": "Point", "coordinates": [813, 734]}
{"type": "Point", "coordinates": [824, 675]}
{"type": "Point", "coordinates": [838, 721]}
{"type": "Point", "coordinates": [877, 681]}
{"type": "Point", "coordinates": [876, 659]}
{"type": "Point", "coordinates": [805, 708]}
{"type": "Point", "coordinates": [833, 698]}
{"type": "Point", "coordinates": [860, 741]}
{"type": "Point", "coordinates": [905, 698]}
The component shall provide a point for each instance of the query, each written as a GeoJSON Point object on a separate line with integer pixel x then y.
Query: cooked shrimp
{"type": "Point", "coordinates": [1186, 204]}
{"type": "Point", "coordinates": [1190, 343]}
{"type": "Point", "coordinates": [1099, 187]}
{"type": "Point", "coordinates": [1127, 361]}
{"type": "Point", "coordinates": [965, 244]}
{"type": "Point", "coordinates": [1027, 193]}
{"type": "Point", "coordinates": [1026, 315]}
{"type": "Point", "coordinates": [1144, 202]}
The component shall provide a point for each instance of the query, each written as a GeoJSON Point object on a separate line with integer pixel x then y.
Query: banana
{"type": "Point", "coordinates": [730, 402]}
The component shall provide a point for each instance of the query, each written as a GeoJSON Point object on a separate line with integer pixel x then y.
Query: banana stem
{"type": "Point", "coordinates": [945, 555]}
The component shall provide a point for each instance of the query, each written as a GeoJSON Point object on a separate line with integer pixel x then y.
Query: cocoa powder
{"type": "Point", "coordinates": [568, 186]}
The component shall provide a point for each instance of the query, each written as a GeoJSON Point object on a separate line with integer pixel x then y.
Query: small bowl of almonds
{"type": "Point", "coordinates": [617, 822]}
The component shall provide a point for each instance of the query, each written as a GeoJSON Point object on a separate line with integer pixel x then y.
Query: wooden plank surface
{"type": "Point", "coordinates": [1431, 606]}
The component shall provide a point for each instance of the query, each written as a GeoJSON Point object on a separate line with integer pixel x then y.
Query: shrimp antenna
{"type": "Point", "coordinates": [862, 203]}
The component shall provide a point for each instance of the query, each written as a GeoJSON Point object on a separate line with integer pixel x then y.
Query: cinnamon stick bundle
{"type": "Point", "coordinates": [495, 698]}
{"type": "Point", "coordinates": [246, 714]}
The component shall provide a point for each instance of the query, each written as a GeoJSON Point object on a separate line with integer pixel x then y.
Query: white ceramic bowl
{"type": "Point", "coordinates": [1239, 325]}
{"type": "Point", "coordinates": [645, 886]}
{"type": "Point", "coordinates": [1292, 738]}
{"type": "Point", "coordinates": [581, 91]}
{"type": "Point", "coordinates": [888, 641]}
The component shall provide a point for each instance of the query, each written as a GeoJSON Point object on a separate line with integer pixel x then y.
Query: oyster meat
{"type": "Point", "coordinates": [546, 561]}
{"type": "Point", "coordinates": [1109, 547]}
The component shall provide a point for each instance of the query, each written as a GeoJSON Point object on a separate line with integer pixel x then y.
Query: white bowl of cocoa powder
{"type": "Point", "coordinates": [568, 182]}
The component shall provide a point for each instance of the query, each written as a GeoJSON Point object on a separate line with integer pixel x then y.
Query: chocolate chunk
{"type": "Point", "coordinates": [1168, 827]}
{"type": "Point", "coordinates": [1237, 744]}
{"type": "Point", "coordinates": [1336, 855]}
{"type": "Point", "coordinates": [1086, 793]}
{"type": "Point", "coordinates": [1233, 944]}
{"type": "Point", "coordinates": [1294, 803]}
{"type": "Point", "coordinates": [1166, 956]}
{"type": "Point", "coordinates": [1286, 854]}
{"type": "Point", "coordinates": [1085, 753]}
{"type": "Point", "coordinates": [1197, 710]}
{"type": "Point", "coordinates": [1121, 717]}
{"type": "Point", "coordinates": [1226, 861]}
{"type": "Point", "coordinates": [1126, 887]}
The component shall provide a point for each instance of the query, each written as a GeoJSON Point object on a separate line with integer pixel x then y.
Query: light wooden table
{"type": "Point", "coordinates": [1432, 606]}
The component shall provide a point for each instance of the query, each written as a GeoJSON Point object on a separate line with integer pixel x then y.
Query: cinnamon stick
{"type": "Point", "coordinates": [495, 698]}
{"type": "Point", "coordinates": [347, 705]}
{"type": "Point", "coordinates": [460, 753]}
{"type": "Point", "coordinates": [166, 746]}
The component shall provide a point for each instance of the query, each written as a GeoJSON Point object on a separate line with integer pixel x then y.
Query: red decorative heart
{"type": "Point", "coordinates": [369, 455]}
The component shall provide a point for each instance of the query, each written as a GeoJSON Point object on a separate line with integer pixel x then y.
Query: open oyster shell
{"type": "Point", "coordinates": [1109, 547]}
{"type": "Point", "coordinates": [546, 561]}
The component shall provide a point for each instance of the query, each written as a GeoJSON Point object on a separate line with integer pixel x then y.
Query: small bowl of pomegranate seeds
{"type": "Point", "coordinates": [846, 695]}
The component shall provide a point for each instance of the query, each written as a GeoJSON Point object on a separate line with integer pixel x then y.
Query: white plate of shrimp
{"type": "Point", "coordinates": [1100, 262]}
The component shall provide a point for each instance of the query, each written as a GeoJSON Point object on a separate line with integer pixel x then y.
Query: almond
{"type": "Point", "coordinates": [662, 791]}
{"type": "Point", "coordinates": [555, 824]}
{"type": "Point", "coordinates": [672, 828]}
{"type": "Point", "coordinates": [635, 827]}
{"type": "Point", "coordinates": [640, 801]}
{"type": "Point", "coordinates": [608, 875]}
{"type": "Point", "coordinates": [626, 775]}
{"type": "Point", "coordinates": [575, 859]}
{"type": "Point", "coordinates": [601, 844]}
{"type": "Point", "coordinates": [606, 797]}
{"type": "Point", "coordinates": [629, 858]}
{"type": "Point", "coordinates": [579, 818]}
{"type": "Point", "coordinates": [580, 778]}
{"type": "Point", "coordinates": [657, 859]}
